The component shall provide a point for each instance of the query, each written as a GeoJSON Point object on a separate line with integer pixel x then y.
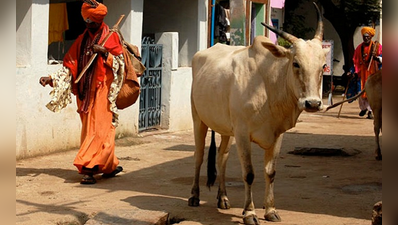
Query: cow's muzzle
{"type": "Point", "coordinates": [312, 105]}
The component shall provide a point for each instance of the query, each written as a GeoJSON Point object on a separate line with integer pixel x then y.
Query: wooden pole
{"type": "Point", "coordinates": [370, 63]}
{"type": "Point", "coordinates": [345, 94]}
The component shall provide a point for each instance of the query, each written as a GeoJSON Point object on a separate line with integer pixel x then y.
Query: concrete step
{"type": "Point", "coordinates": [124, 217]}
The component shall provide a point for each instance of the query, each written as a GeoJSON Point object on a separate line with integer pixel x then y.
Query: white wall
{"type": "Point", "coordinates": [176, 86]}
{"type": "Point", "coordinates": [38, 130]}
{"type": "Point", "coordinates": [202, 24]}
{"type": "Point", "coordinates": [183, 27]}
{"type": "Point", "coordinates": [277, 13]}
{"type": "Point", "coordinates": [180, 101]}
{"type": "Point", "coordinates": [23, 37]}
{"type": "Point", "coordinates": [179, 16]}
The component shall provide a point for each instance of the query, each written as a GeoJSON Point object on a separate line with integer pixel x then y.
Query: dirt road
{"type": "Point", "coordinates": [158, 171]}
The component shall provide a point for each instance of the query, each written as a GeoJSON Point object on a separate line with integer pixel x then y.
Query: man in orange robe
{"type": "Point", "coordinates": [367, 59]}
{"type": "Point", "coordinates": [97, 149]}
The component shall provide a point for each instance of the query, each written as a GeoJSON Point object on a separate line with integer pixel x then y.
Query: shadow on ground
{"type": "Point", "coordinates": [334, 185]}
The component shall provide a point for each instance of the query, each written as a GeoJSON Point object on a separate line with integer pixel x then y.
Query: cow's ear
{"type": "Point", "coordinates": [276, 50]}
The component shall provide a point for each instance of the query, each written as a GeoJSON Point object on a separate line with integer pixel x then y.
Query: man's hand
{"type": "Point", "coordinates": [352, 75]}
{"type": "Point", "coordinates": [377, 58]}
{"type": "Point", "coordinates": [355, 76]}
{"type": "Point", "coordinates": [99, 49]}
{"type": "Point", "coordinates": [46, 80]}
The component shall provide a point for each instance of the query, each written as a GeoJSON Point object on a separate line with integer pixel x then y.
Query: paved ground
{"type": "Point", "coordinates": [158, 170]}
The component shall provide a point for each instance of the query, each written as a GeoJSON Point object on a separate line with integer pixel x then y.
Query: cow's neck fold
{"type": "Point", "coordinates": [281, 100]}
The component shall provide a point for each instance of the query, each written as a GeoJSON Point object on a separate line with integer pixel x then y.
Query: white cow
{"type": "Point", "coordinates": [255, 94]}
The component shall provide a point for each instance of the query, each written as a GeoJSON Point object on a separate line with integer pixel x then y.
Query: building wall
{"type": "Point", "coordinates": [277, 14]}
{"type": "Point", "coordinates": [23, 37]}
{"type": "Point", "coordinates": [202, 24]}
{"type": "Point", "coordinates": [180, 100]}
{"type": "Point", "coordinates": [183, 32]}
{"type": "Point", "coordinates": [174, 16]}
{"type": "Point", "coordinates": [238, 20]}
{"type": "Point", "coordinates": [38, 130]}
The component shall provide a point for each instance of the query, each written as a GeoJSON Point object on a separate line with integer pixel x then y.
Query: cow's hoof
{"type": "Point", "coordinates": [193, 201]}
{"type": "Point", "coordinates": [377, 213]}
{"type": "Point", "coordinates": [223, 203]}
{"type": "Point", "coordinates": [273, 217]}
{"type": "Point", "coordinates": [251, 220]}
{"type": "Point", "coordinates": [378, 157]}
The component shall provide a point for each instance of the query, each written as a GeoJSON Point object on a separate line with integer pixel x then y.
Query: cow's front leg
{"type": "Point", "coordinates": [244, 152]}
{"type": "Point", "coordinates": [269, 170]}
{"type": "Point", "coordinates": [223, 152]}
{"type": "Point", "coordinates": [200, 131]}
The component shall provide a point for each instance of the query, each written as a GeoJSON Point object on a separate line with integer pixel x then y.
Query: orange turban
{"type": "Point", "coordinates": [368, 30]}
{"type": "Point", "coordinates": [94, 14]}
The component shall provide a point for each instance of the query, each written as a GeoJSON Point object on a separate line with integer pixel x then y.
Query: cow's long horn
{"type": "Point", "coordinates": [283, 34]}
{"type": "Point", "coordinates": [319, 30]}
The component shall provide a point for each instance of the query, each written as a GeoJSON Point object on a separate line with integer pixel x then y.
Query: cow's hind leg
{"type": "Point", "coordinates": [243, 144]}
{"type": "Point", "coordinates": [200, 131]}
{"type": "Point", "coordinates": [377, 123]}
{"type": "Point", "coordinates": [269, 171]}
{"type": "Point", "coordinates": [225, 145]}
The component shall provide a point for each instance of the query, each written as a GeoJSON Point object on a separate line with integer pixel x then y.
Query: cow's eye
{"type": "Point", "coordinates": [296, 65]}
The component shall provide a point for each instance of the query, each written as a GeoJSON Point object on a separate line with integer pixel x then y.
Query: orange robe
{"type": "Point", "coordinates": [98, 133]}
{"type": "Point", "coordinates": [361, 63]}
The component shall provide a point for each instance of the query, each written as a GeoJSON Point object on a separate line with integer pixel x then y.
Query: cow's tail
{"type": "Point", "coordinates": [211, 162]}
{"type": "Point", "coordinates": [350, 99]}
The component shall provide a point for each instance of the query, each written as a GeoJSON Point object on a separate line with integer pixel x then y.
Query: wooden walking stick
{"type": "Point", "coordinates": [114, 29]}
{"type": "Point", "coordinates": [370, 63]}
{"type": "Point", "coordinates": [375, 48]}
{"type": "Point", "coordinates": [345, 94]}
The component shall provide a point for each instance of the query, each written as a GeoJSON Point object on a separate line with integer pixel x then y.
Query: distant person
{"type": "Point", "coordinates": [95, 92]}
{"type": "Point", "coordinates": [367, 60]}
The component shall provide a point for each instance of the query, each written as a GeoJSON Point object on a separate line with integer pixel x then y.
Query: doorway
{"type": "Point", "coordinates": [256, 12]}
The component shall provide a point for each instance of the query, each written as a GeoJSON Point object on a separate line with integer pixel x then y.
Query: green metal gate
{"type": "Point", "coordinates": [151, 85]}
